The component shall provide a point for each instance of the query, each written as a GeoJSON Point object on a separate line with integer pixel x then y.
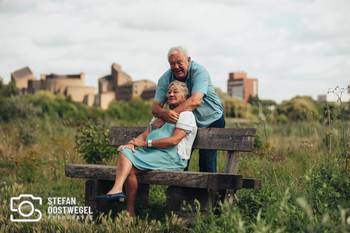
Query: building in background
{"type": "Point", "coordinates": [240, 86]}
{"type": "Point", "coordinates": [21, 78]}
{"type": "Point", "coordinates": [322, 98]}
{"type": "Point", "coordinates": [69, 85]}
{"type": "Point", "coordinates": [115, 86]}
{"type": "Point", "coordinates": [119, 86]}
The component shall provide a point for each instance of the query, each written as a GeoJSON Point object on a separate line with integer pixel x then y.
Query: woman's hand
{"type": "Point", "coordinates": [138, 142]}
{"type": "Point", "coordinates": [129, 146]}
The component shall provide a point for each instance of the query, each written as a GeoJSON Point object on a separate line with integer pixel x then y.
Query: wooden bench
{"type": "Point", "coordinates": [183, 186]}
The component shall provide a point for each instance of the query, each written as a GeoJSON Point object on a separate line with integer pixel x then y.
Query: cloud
{"type": "Point", "coordinates": [56, 41]}
{"type": "Point", "coordinates": [10, 7]}
{"type": "Point", "coordinates": [292, 46]}
{"type": "Point", "coordinates": [148, 24]}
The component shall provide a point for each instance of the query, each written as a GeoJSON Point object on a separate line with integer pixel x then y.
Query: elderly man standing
{"type": "Point", "coordinates": [203, 101]}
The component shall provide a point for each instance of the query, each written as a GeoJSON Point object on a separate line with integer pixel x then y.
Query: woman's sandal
{"type": "Point", "coordinates": [120, 197]}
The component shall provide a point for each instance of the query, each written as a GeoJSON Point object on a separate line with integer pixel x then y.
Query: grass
{"type": "Point", "coordinates": [289, 161]}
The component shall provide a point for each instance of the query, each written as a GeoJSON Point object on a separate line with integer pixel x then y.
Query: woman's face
{"type": "Point", "coordinates": [175, 96]}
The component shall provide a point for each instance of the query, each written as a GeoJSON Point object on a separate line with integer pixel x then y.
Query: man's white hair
{"type": "Point", "coordinates": [177, 49]}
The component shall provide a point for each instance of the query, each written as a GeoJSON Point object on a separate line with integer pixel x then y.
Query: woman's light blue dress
{"type": "Point", "coordinates": [157, 158]}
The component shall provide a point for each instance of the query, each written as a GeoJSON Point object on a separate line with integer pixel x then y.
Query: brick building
{"type": "Point", "coordinates": [240, 86]}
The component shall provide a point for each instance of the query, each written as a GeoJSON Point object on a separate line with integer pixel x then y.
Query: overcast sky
{"type": "Point", "coordinates": [294, 47]}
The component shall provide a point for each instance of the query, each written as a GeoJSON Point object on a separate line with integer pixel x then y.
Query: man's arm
{"type": "Point", "coordinates": [191, 103]}
{"type": "Point", "coordinates": [172, 115]}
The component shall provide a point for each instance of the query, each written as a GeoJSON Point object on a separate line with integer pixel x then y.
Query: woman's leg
{"type": "Point", "coordinates": [123, 169]}
{"type": "Point", "coordinates": [131, 190]}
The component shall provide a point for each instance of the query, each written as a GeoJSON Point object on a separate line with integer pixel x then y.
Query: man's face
{"type": "Point", "coordinates": [179, 64]}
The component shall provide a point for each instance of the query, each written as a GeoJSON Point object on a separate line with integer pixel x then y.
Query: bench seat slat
{"type": "Point", "coordinates": [210, 181]}
{"type": "Point", "coordinates": [249, 183]}
{"type": "Point", "coordinates": [231, 139]}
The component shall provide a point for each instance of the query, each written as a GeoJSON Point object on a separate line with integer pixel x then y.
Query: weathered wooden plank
{"type": "Point", "coordinates": [231, 162]}
{"type": "Point", "coordinates": [178, 198]}
{"type": "Point", "coordinates": [231, 139]}
{"type": "Point", "coordinates": [142, 196]}
{"type": "Point", "coordinates": [98, 187]}
{"type": "Point", "coordinates": [204, 180]}
{"type": "Point", "coordinates": [91, 191]}
{"type": "Point", "coordinates": [231, 167]}
{"type": "Point", "coordinates": [94, 188]}
{"type": "Point", "coordinates": [207, 138]}
{"type": "Point", "coordinates": [249, 183]}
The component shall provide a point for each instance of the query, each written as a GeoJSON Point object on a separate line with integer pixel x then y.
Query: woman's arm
{"type": "Point", "coordinates": [141, 136]}
{"type": "Point", "coordinates": [173, 140]}
{"type": "Point", "coordinates": [131, 143]}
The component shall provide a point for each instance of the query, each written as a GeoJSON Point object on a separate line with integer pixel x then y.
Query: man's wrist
{"type": "Point", "coordinates": [149, 143]}
{"type": "Point", "coordinates": [163, 114]}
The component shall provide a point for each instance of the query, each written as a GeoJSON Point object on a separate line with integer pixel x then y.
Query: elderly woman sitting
{"type": "Point", "coordinates": [165, 148]}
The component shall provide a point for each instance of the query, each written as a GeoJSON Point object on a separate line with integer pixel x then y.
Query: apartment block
{"type": "Point", "coordinates": [240, 86]}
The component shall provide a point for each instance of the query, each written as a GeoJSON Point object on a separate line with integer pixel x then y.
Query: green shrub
{"type": "Point", "coordinates": [299, 108]}
{"type": "Point", "coordinates": [8, 90]}
{"type": "Point", "coordinates": [17, 107]}
{"type": "Point", "coordinates": [26, 134]}
{"type": "Point", "coordinates": [49, 106]}
{"type": "Point", "coordinates": [57, 107]}
{"type": "Point", "coordinates": [327, 187]}
{"type": "Point", "coordinates": [236, 108]}
{"type": "Point", "coordinates": [92, 142]}
{"type": "Point", "coordinates": [250, 202]}
{"type": "Point", "coordinates": [281, 118]}
{"type": "Point", "coordinates": [28, 168]}
{"type": "Point", "coordinates": [135, 111]}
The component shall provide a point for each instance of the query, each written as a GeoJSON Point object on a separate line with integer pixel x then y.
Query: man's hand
{"type": "Point", "coordinates": [171, 116]}
{"type": "Point", "coordinates": [157, 123]}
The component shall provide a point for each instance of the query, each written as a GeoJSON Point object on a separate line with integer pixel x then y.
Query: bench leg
{"type": "Point", "coordinates": [90, 194]}
{"type": "Point", "coordinates": [179, 197]}
{"type": "Point", "coordinates": [93, 188]}
{"type": "Point", "coordinates": [142, 196]}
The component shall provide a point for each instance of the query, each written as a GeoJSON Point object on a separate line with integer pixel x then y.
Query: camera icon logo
{"type": "Point", "coordinates": [23, 206]}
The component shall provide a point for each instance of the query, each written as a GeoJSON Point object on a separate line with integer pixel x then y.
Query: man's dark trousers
{"type": "Point", "coordinates": [208, 158]}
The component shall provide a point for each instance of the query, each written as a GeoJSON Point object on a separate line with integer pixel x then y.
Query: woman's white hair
{"type": "Point", "coordinates": [181, 85]}
{"type": "Point", "coordinates": [177, 49]}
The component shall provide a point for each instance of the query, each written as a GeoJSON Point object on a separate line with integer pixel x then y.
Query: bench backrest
{"type": "Point", "coordinates": [228, 139]}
